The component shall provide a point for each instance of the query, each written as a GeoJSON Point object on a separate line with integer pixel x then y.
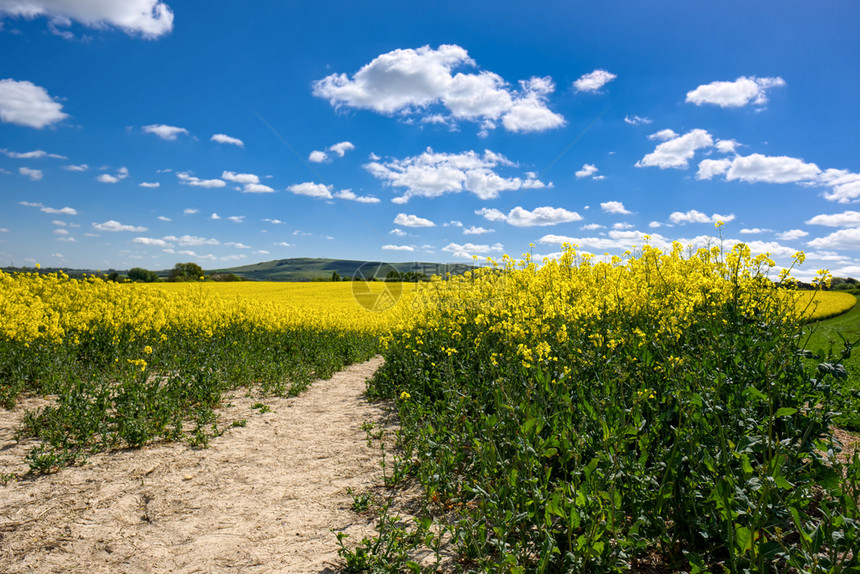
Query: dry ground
{"type": "Point", "coordinates": [261, 498]}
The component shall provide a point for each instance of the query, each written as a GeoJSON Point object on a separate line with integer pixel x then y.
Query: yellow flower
{"type": "Point", "coordinates": [404, 396]}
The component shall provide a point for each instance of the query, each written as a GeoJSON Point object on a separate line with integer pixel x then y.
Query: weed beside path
{"type": "Point", "coordinates": [262, 498]}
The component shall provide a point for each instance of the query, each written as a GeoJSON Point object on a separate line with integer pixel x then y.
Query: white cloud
{"type": "Point", "coordinates": [614, 207]}
{"type": "Point", "coordinates": [539, 216]}
{"type": "Point", "coordinates": [636, 120]}
{"type": "Point", "coordinates": [592, 226]}
{"type": "Point", "coordinates": [149, 241]}
{"type": "Point", "coordinates": [593, 81]}
{"type": "Point", "coordinates": [622, 225]}
{"type": "Point", "coordinates": [341, 148]}
{"type": "Point", "coordinates": [51, 210]}
{"type": "Point", "coordinates": [112, 225]}
{"type": "Point", "coordinates": [148, 184]}
{"type": "Point", "coordinates": [316, 190]}
{"type": "Point", "coordinates": [754, 230]}
{"type": "Point", "coordinates": [237, 218]}
{"type": "Point", "coordinates": [726, 146]}
{"type": "Point", "coordinates": [677, 152]}
{"type": "Point", "coordinates": [165, 132]}
{"type": "Point", "coordinates": [33, 174]}
{"type": "Point", "coordinates": [81, 167]}
{"type": "Point", "coordinates": [214, 216]}
{"type": "Point", "coordinates": [663, 135]}
{"type": "Point", "coordinates": [771, 169]}
{"type": "Point", "coordinates": [225, 139]}
{"type": "Point", "coordinates": [190, 211]}
{"type": "Point", "coordinates": [844, 219]}
{"type": "Point", "coordinates": [163, 218]}
{"type": "Point", "coordinates": [317, 156]}
{"type": "Point", "coordinates": [412, 221]}
{"type": "Point", "coordinates": [26, 104]}
{"type": "Point", "coordinates": [408, 81]}
{"type": "Point", "coordinates": [35, 154]}
{"type": "Point", "coordinates": [121, 173]}
{"type": "Point", "coordinates": [791, 234]}
{"type": "Point", "coordinates": [238, 257]}
{"type": "Point", "coordinates": [61, 232]}
{"type": "Point", "coordinates": [694, 216]}
{"type": "Point", "coordinates": [274, 221]}
{"type": "Point", "coordinates": [240, 177]}
{"type": "Point", "coordinates": [149, 18]}
{"type": "Point", "coordinates": [434, 174]}
{"type": "Point", "coordinates": [188, 179]}
{"type": "Point", "coordinates": [474, 230]}
{"type": "Point", "coordinates": [842, 239]}
{"type": "Point", "coordinates": [735, 94]}
{"type": "Point", "coordinates": [708, 168]}
{"type": "Point", "coordinates": [398, 248]}
{"type": "Point", "coordinates": [257, 188]}
{"type": "Point", "coordinates": [237, 245]}
{"type": "Point", "coordinates": [587, 170]}
{"type": "Point", "coordinates": [453, 223]}
{"type": "Point", "coordinates": [190, 240]}
{"type": "Point", "coordinates": [283, 244]}
{"type": "Point", "coordinates": [844, 184]}
{"type": "Point", "coordinates": [398, 232]}
{"type": "Point", "coordinates": [469, 250]}
{"type": "Point", "coordinates": [348, 194]}
{"type": "Point", "coordinates": [655, 225]}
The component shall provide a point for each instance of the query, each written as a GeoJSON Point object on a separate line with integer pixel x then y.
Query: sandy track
{"type": "Point", "coordinates": [262, 498]}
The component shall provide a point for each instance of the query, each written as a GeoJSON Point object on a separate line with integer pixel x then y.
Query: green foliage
{"type": "Point", "coordinates": [186, 272]}
{"type": "Point", "coordinates": [709, 452]}
{"type": "Point", "coordinates": [116, 391]}
{"type": "Point", "coordinates": [142, 275]}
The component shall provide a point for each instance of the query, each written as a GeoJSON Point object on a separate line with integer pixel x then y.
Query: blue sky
{"type": "Point", "coordinates": [144, 133]}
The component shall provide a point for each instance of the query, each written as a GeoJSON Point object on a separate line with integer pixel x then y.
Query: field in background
{"type": "Point", "coordinates": [132, 363]}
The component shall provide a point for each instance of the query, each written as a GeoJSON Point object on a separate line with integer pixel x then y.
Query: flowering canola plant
{"type": "Point", "coordinates": [581, 414]}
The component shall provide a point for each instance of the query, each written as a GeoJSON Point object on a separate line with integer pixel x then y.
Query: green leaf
{"type": "Point", "coordinates": [785, 412]}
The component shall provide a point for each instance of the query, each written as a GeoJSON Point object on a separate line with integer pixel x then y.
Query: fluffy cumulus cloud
{"type": "Point", "coordinates": [735, 94]}
{"type": "Point", "coordinates": [149, 184]}
{"type": "Point", "coordinates": [225, 139]}
{"type": "Point", "coordinates": [593, 81]}
{"type": "Point", "coordinates": [791, 234]}
{"type": "Point", "coordinates": [694, 216]}
{"type": "Point", "coordinates": [250, 182]}
{"type": "Point", "coordinates": [412, 221]}
{"type": "Point", "coordinates": [677, 151]}
{"type": "Point", "coordinates": [663, 135]}
{"type": "Point", "coordinates": [844, 219]}
{"type": "Point", "coordinates": [148, 18]}
{"type": "Point", "coordinates": [26, 104]}
{"type": "Point", "coordinates": [350, 196]}
{"type": "Point", "coordinates": [310, 189]}
{"type": "Point", "coordinates": [771, 169]}
{"type": "Point", "coordinates": [121, 174]}
{"type": "Point", "coordinates": [112, 225]}
{"type": "Point", "coordinates": [538, 217]}
{"type": "Point", "coordinates": [188, 179]}
{"type": "Point", "coordinates": [165, 132]}
{"type": "Point", "coordinates": [614, 207]}
{"type": "Point", "coordinates": [415, 81]}
{"type": "Point", "coordinates": [434, 174]}
{"type": "Point", "coordinates": [709, 168]}
{"type": "Point", "coordinates": [615, 239]}
{"type": "Point", "coordinates": [341, 148]}
{"type": "Point", "coordinates": [476, 230]}
{"type": "Point", "coordinates": [33, 174]}
{"type": "Point", "coordinates": [317, 156]}
{"type": "Point", "coordinates": [469, 250]}
{"type": "Point", "coordinates": [842, 239]}
{"type": "Point", "coordinates": [398, 248]}
{"type": "Point", "coordinates": [588, 170]}
{"type": "Point", "coordinates": [845, 186]}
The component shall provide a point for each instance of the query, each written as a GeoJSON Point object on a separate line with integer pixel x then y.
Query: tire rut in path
{"type": "Point", "coordinates": [261, 498]}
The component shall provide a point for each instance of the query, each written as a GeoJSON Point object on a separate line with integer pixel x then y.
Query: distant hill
{"type": "Point", "coordinates": [308, 269]}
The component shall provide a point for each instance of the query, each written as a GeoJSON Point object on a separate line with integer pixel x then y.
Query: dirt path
{"type": "Point", "coordinates": [261, 498]}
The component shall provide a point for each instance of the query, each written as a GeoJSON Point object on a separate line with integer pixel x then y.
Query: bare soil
{"type": "Point", "coordinates": [262, 498]}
